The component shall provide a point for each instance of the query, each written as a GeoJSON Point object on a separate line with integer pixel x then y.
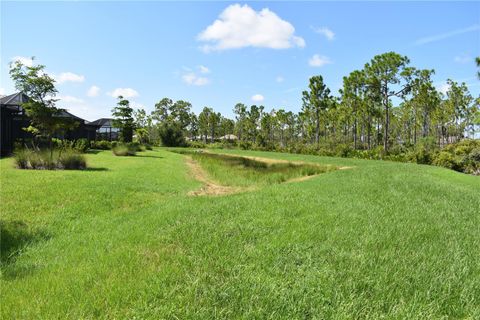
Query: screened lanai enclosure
{"type": "Point", "coordinates": [106, 130]}
{"type": "Point", "coordinates": [14, 120]}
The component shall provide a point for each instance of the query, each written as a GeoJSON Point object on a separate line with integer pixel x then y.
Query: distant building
{"type": "Point", "coordinates": [105, 129]}
{"type": "Point", "coordinates": [14, 119]}
{"type": "Point", "coordinates": [229, 137]}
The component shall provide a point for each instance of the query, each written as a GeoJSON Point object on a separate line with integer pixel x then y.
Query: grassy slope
{"type": "Point", "coordinates": [382, 239]}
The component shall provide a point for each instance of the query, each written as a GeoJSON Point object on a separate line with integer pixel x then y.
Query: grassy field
{"type": "Point", "coordinates": [125, 240]}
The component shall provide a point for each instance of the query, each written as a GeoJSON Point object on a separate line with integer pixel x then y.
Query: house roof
{"type": "Point", "coordinates": [15, 99]}
{"type": "Point", "coordinates": [14, 102]}
{"type": "Point", "coordinates": [102, 122]}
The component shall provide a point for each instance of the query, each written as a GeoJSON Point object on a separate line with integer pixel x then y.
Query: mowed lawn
{"type": "Point", "coordinates": [124, 240]}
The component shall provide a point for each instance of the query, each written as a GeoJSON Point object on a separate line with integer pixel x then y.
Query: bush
{"type": "Point", "coordinates": [68, 159]}
{"type": "Point", "coordinates": [102, 145]}
{"type": "Point", "coordinates": [81, 145]}
{"type": "Point", "coordinates": [172, 135]}
{"type": "Point", "coordinates": [72, 160]}
{"type": "Point", "coordinates": [135, 146]}
{"type": "Point", "coordinates": [123, 150]}
{"type": "Point", "coordinates": [21, 158]}
{"type": "Point", "coordinates": [445, 159]}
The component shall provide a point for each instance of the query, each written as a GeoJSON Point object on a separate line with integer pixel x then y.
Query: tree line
{"type": "Point", "coordinates": [387, 105]}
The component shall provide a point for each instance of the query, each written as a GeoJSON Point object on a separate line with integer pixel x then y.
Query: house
{"type": "Point", "coordinates": [14, 119]}
{"type": "Point", "coordinates": [229, 137]}
{"type": "Point", "coordinates": [105, 129]}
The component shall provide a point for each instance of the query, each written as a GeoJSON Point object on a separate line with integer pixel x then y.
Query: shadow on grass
{"type": "Point", "coordinates": [147, 156]}
{"type": "Point", "coordinates": [93, 151]}
{"type": "Point", "coordinates": [15, 236]}
{"type": "Point", "coordinates": [96, 169]}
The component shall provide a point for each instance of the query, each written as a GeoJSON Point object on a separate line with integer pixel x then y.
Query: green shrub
{"type": "Point", "coordinates": [81, 145]}
{"type": "Point", "coordinates": [445, 159]}
{"type": "Point", "coordinates": [102, 145]}
{"type": "Point", "coordinates": [134, 146]}
{"type": "Point", "coordinates": [123, 150]}
{"type": "Point", "coordinates": [21, 158]}
{"type": "Point", "coordinates": [171, 135]}
{"type": "Point", "coordinates": [68, 159]}
{"type": "Point", "coordinates": [475, 155]}
{"type": "Point", "coordinates": [72, 160]}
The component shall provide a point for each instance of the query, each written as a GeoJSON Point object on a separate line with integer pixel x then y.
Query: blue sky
{"type": "Point", "coordinates": [151, 50]}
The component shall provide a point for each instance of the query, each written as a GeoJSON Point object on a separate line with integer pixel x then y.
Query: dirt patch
{"type": "Point", "coordinates": [300, 179]}
{"type": "Point", "coordinates": [210, 187]}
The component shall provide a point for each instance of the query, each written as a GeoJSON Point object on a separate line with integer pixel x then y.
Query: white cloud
{"type": "Point", "coordinates": [279, 79]}
{"type": "Point", "coordinates": [69, 77]}
{"type": "Point", "coordinates": [93, 91]}
{"type": "Point", "coordinates": [463, 58]}
{"type": "Point", "coordinates": [446, 35]}
{"type": "Point", "coordinates": [69, 99]}
{"type": "Point", "coordinates": [191, 78]}
{"type": "Point", "coordinates": [24, 60]}
{"type": "Point", "coordinates": [258, 98]}
{"type": "Point", "coordinates": [124, 92]}
{"type": "Point", "coordinates": [319, 61]}
{"type": "Point", "coordinates": [443, 88]}
{"type": "Point", "coordinates": [241, 26]}
{"type": "Point", "coordinates": [329, 34]}
{"type": "Point", "coordinates": [203, 69]}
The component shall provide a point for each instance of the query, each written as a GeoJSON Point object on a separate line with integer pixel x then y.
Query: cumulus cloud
{"type": "Point", "coordinates": [191, 78]}
{"type": "Point", "coordinates": [196, 78]}
{"type": "Point", "coordinates": [124, 92]}
{"type": "Point", "coordinates": [69, 77]}
{"type": "Point", "coordinates": [279, 79]}
{"type": "Point", "coordinates": [93, 91]}
{"type": "Point", "coordinates": [326, 32]}
{"type": "Point", "coordinates": [258, 98]}
{"type": "Point", "coordinates": [241, 26]}
{"type": "Point", "coordinates": [26, 61]}
{"type": "Point", "coordinates": [319, 61]}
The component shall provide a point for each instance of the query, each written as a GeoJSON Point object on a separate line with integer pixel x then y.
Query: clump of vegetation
{"type": "Point", "coordinates": [80, 145]}
{"type": "Point", "coordinates": [124, 149]}
{"type": "Point", "coordinates": [241, 171]}
{"type": "Point", "coordinates": [71, 160]}
{"type": "Point", "coordinates": [101, 145]}
{"type": "Point", "coordinates": [61, 159]}
{"type": "Point", "coordinates": [171, 135]}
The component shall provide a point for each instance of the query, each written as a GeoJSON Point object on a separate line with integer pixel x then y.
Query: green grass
{"type": "Point", "coordinates": [124, 240]}
{"type": "Point", "coordinates": [243, 172]}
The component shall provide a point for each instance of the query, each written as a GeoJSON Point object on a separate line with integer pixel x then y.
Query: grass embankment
{"type": "Point", "coordinates": [124, 240]}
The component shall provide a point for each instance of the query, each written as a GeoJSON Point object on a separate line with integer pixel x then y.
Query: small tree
{"type": "Point", "coordinates": [45, 120]}
{"type": "Point", "coordinates": [123, 119]}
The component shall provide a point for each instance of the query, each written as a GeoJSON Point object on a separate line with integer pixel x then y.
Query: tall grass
{"type": "Point", "coordinates": [38, 159]}
{"type": "Point", "coordinates": [242, 171]}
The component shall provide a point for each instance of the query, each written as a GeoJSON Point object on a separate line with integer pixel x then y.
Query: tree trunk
{"type": "Point", "coordinates": [387, 122]}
